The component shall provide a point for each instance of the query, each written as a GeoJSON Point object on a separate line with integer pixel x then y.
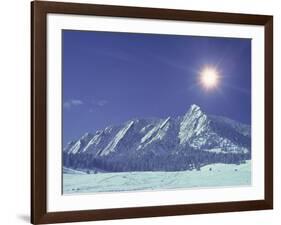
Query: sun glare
{"type": "Point", "coordinates": [209, 78]}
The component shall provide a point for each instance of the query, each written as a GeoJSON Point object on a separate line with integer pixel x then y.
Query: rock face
{"type": "Point", "coordinates": [171, 144]}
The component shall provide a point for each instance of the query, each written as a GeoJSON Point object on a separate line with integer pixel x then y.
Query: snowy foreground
{"type": "Point", "coordinates": [215, 175]}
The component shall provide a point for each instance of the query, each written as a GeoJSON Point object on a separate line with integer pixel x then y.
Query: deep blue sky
{"type": "Point", "coordinates": [109, 78]}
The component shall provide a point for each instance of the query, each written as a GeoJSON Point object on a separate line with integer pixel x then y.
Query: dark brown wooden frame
{"type": "Point", "coordinates": [39, 11]}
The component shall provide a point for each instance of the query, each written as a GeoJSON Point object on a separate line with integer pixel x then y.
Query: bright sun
{"type": "Point", "coordinates": [209, 78]}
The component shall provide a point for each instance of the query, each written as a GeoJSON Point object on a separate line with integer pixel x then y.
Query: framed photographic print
{"type": "Point", "coordinates": [143, 112]}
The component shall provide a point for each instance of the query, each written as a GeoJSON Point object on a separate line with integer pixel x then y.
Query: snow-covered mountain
{"type": "Point", "coordinates": [182, 143]}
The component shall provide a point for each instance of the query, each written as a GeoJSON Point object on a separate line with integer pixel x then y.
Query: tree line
{"type": "Point", "coordinates": [189, 160]}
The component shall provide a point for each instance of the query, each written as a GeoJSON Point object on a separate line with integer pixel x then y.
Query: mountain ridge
{"type": "Point", "coordinates": [149, 143]}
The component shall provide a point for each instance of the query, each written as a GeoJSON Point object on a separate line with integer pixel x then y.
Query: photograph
{"type": "Point", "coordinates": [143, 112]}
{"type": "Point", "coordinates": [154, 112]}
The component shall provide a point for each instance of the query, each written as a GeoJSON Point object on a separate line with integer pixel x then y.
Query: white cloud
{"type": "Point", "coordinates": [100, 103]}
{"type": "Point", "coordinates": [74, 102]}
